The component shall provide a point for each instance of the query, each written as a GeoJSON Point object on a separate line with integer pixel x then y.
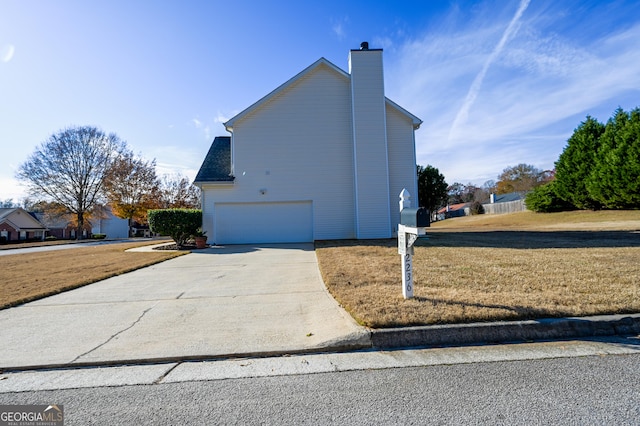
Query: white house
{"type": "Point", "coordinates": [323, 156]}
{"type": "Point", "coordinates": [109, 224]}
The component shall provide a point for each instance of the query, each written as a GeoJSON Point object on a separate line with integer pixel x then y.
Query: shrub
{"type": "Point", "coordinates": [476, 208]}
{"type": "Point", "coordinates": [50, 238]}
{"type": "Point", "coordinates": [179, 224]}
{"type": "Point", "coordinates": [99, 236]}
{"type": "Point", "coordinates": [545, 199]}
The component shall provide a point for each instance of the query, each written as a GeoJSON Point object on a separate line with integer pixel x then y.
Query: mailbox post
{"type": "Point", "coordinates": [413, 223]}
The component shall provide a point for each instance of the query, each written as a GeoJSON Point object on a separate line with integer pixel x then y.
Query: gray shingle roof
{"type": "Point", "coordinates": [216, 166]}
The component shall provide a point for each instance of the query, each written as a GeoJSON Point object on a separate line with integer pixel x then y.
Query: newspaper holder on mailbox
{"type": "Point", "coordinates": [413, 224]}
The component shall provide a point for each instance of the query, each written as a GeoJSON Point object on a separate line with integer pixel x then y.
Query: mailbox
{"type": "Point", "coordinates": [415, 218]}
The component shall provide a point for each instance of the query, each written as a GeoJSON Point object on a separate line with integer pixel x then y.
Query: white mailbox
{"type": "Point", "coordinates": [408, 232]}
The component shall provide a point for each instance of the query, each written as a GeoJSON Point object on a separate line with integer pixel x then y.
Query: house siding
{"type": "Point", "coordinates": [296, 147]}
{"type": "Point", "coordinates": [370, 144]}
{"type": "Point", "coordinates": [402, 162]}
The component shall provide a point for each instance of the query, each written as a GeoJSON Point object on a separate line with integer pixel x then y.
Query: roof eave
{"type": "Point", "coordinates": [414, 120]}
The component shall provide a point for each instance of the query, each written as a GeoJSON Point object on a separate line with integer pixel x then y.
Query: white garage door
{"type": "Point", "coordinates": [249, 223]}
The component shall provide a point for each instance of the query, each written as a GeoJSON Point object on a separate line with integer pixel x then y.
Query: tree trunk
{"type": "Point", "coordinates": [80, 230]}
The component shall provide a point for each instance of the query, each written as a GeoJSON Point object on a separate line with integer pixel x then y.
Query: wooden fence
{"type": "Point", "coordinates": [503, 208]}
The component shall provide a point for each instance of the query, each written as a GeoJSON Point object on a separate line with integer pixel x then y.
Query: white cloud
{"type": "Point", "coordinates": [463, 113]}
{"type": "Point", "coordinates": [338, 27]}
{"type": "Point", "coordinates": [529, 95]}
{"type": "Point", "coordinates": [222, 118]}
{"type": "Point", "coordinates": [12, 189]}
{"type": "Point", "coordinates": [7, 52]}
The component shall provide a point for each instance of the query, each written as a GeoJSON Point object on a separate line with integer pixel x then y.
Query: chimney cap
{"type": "Point", "coordinates": [364, 45]}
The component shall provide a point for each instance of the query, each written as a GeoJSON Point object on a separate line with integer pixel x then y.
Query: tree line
{"type": "Point", "coordinates": [434, 192]}
{"type": "Point", "coordinates": [599, 168]}
{"type": "Point", "coordinates": [80, 170]}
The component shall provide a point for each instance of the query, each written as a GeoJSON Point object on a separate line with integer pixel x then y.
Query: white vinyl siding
{"type": "Point", "coordinates": [370, 144]}
{"type": "Point", "coordinates": [402, 161]}
{"type": "Point", "coordinates": [295, 151]}
{"type": "Point", "coordinates": [297, 147]}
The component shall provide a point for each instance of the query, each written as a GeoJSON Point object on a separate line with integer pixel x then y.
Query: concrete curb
{"type": "Point", "coordinates": [411, 337]}
{"type": "Point", "coordinates": [502, 332]}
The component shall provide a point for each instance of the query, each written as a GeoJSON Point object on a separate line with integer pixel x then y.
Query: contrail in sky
{"type": "Point", "coordinates": [461, 118]}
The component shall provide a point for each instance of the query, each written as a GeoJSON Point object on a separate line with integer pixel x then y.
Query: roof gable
{"type": "Point", "coordinates": [19, 218]}
{"type": "Point", "coordinates": [216, 166]}
{"type": "Point", "coordinates": [322, 62]}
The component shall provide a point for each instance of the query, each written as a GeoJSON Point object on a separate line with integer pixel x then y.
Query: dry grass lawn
{"type": "Point", "coordinates": [30, 276]}
{"type": "Point", "coordinates": [491, 268]}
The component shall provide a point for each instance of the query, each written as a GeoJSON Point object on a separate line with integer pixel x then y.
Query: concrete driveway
{"type": "Point", "coordinates": [236, 300]}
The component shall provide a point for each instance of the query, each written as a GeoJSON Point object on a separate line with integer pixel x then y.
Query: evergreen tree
{"type": "Point", "coordinates": [576, 163]}
{"type": "Point", "coordinates": [544, 199]}
{"type": "Point", "coordinates": [615, 179]}
{"type": "Point", "coordinates": [432, 188]}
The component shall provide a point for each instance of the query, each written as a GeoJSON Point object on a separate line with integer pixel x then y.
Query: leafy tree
{"type": "Point", "coordinates": [521, 178]}
{"type": "Point", "coordinates": [69, 168]}
{"type": "Point", "coordinates": [179, 224]}
{"type": "Point", "coordinates": [615, 179]}
{"type": "Point", "coordinates": [432, 188]}
{"type": "Point", "coordinates": [576, 164]}
{"type": "Point", "coordinates": [175, 191]}
{"type": "Point", "coordinates": [545, 199]}
{"type": "Point", "coordinates": [130, 186]}
{"type": "Point", "coordinates": [455, 193]}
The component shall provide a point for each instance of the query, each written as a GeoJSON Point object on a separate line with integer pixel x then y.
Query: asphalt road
{"type": "Point", "coordinates": [590, 390]}
{"type": "Point", "coordinates": [6, 250]}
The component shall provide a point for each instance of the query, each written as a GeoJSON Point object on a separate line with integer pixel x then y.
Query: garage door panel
{"type": "Point", "coordinates": [248, 223]}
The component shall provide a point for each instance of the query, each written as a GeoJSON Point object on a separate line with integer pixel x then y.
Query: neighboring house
{"type": "Point", "coordinates": [323, 156]}
{"type": "Point", "coordinates": [505, 203]}
{"type": "Point", "coordinates": [110, 225]}
{"type": "Point", "coordinates": [60, 226]}
{"type": "Point", "coordinates": [63, 227]}
{"type": "Point", "coordinates": [16, 224]}
{"type": "Point", "coordinates": [454, 210]}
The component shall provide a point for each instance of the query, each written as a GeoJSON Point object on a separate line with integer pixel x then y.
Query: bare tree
{"type": "Point", "coordinates": [69, 168]}
{"type": "Point", "coordinates": [8, 204]}
{"type": "Point", "coordinates": [177, 192]}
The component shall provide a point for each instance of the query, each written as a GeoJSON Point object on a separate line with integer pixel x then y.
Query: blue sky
{"type": "Point", "coordinates": [496, 82]}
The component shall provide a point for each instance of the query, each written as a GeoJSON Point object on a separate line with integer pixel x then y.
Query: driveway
{"type": "Point", "coordinates": [236, 300]}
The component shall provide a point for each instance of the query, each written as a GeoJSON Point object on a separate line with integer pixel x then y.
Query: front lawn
{"type": "Point", "coordinates": [491, 268]}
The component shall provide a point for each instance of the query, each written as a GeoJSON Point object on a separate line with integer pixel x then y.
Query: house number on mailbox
{"type": "Point", "coordinates": [413, 224]}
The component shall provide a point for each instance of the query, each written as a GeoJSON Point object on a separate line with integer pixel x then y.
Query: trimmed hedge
{"type": "Point", "coordinates": [179, 224]}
